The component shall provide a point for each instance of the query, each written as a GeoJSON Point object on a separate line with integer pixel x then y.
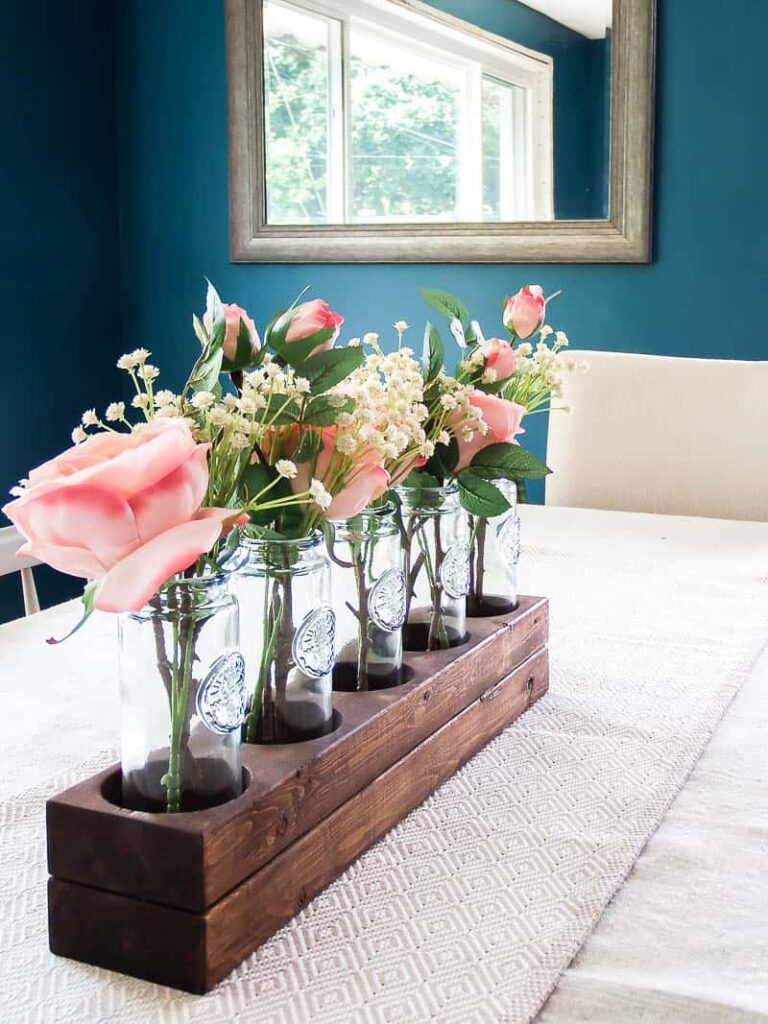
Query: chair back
{"type": "Point", "coordinates": [662, 434]}
{"type": "Point", "coordinates": [10, 542]}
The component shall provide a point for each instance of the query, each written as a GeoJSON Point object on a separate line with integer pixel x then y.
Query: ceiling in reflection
{"type": "Point", "coordinates": [589, 17]}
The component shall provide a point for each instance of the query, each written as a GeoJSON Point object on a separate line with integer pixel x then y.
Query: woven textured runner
{"type": "Point", "coordinates": [474, 905]}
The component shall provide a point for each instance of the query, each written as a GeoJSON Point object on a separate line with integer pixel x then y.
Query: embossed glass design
{"type": "Point", "coordinates": [436, 535]}
{"type": "Point", "coordinates": [368, 575]}
{"type": "Point", "coordinates": [288, 637]}
{"type": "Point", "coordinates": [495, 554]}
{"type": "Point", "coordinates": [182, 688]}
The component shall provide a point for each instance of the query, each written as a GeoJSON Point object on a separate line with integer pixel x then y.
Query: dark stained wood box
{"type": "Point", "coordinates": [182, 899]}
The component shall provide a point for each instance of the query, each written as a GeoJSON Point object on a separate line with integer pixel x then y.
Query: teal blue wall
{"type": "Point", "coordinates": [59, 281]}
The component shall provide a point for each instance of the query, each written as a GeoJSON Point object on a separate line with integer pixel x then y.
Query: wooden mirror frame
{"type": "Point", "coordinates": [624, 237]}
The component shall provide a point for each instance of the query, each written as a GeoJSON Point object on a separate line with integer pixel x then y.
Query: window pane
{"type": "Point", "coordinates": [504, 192]}
{"type": "Point", "coordinates": [404, 133]}
{"type": "Point", "coordinates": [296, 48]}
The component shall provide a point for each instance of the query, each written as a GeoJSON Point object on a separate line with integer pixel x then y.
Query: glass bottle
{"type": "Point", "coordinates": [436, 538]}
{"type": "Point", "coordinates": [182, 690]}
{"type": "Point", "coordinates": [368, 575]}
{"type": "Point", "coordinates": [495, 554]}
{"type": "Point", "coordinates": [288, 636]}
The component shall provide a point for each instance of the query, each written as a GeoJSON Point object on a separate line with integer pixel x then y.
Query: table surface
{"type": "Point", "coordinates": [685, 939]}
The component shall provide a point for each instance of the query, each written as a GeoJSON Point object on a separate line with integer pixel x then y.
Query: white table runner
{"type": "Point", "coordinates": [472, 907]}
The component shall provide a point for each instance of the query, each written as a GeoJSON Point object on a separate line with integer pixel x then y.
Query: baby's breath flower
{"type": "Point", "coordinates": [490, 376]}
{"type": "Point", "coordinates": [524, 349]}
{"type": "Point", "coordinates": [140, 401]}
{"type": "Point", "coordinates": [353, 343]}
{"type": "Point", "coordinates": [371, 338]}
{"type": "Point", "coordinates": [337, 400]}
{"type": "Point", "coordinates": [286, 469]}
{"type": "Point", "coordinates": [239, 440]}
{"type": "Point", "coordinates": [561, 338]}
{"type": "Point", "coordinates": [319, 495]}
{"type": "Point", "coordinates": [115, 411]}
{"type": "Point", "coordinates": [202, 400]}
{"type": "Point", "coordinates": [400, 326]}
{"type": "Point", "coordinates": [219, 416]}
{"type": "Point", "coordinates": [545, 332]}
{"type": "Point", "coordinates": [148, 372]}
{"type": "Point", "coordinates": [126, 362]}
{"type": "Point", "coordinates": [346, 444]}
{"type": "Point", "coordinates": [89, 418]}
{"type": "Point", "coordinates": [302, 385]}
{"type": "Point", "coordinates": [78, 435]}
{"type": "Point", "coordinates": [140, 355]}
{"type": "Point", "coordinates": [443, 437]}
{"type": "Point", "coordinates": [448, 402]}
{"type": "Point", "coordinates": [165, 397]}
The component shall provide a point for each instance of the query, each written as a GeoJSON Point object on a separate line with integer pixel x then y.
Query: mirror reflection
{"type": "Point", "coordinates": [397, 111]}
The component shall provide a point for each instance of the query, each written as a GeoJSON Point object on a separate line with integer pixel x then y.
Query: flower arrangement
{"type": "Point", "coordinates": [281, 453]}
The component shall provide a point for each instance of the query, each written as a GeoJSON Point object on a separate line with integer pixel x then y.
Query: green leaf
{"type": "Point", "coordinates": [445, 304]}
{"type": "Point", "coordinates": [199, 329]}
{"type": "Point", "coordinates": [322, 413]}
{"type": "Point", "coordinates": [507, 461]}
{"type": "Point", "coordinates": [418, 479]}
{"type": "Point", "coordinates": [295, 353]}
{"type": "Point", "coordinates": [287, 414]}
{"type": "Point", "coordinates": [479, 497]}
{"type": "Point", "coordinates": [327, 369]}
{"type": "Point", "coordinates": [434, 352]}
{"type": "Point", "coordinates": [213, 304]}
{"type": "Point", "coordinates": [257, 477]}
{"type": "Point", "coordinates": [206, 370]}
{"type": "Point", "coordinates": [245, 355]}
{"type": "Point", "coordinates": [444, 460]}
{"type": "Point", "coordinates": [88, 598]}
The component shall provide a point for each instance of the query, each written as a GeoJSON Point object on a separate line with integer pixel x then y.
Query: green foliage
{"type": "Point", "coordinates": [327, 369]}
{"type": "Point", "coordinates": [88, 598]}
{"type": "Point", "coordinates": [445, 304]}
{"type": "Point", "coordinates": [444, 461]}
{"type": "Point", "coordinates": [322, 413]}
{"type": "Point", "coordinates": [507, 462]}
{"type": "Point", "coordinates": [479, 497]}
{"type": "Point", "coordinates": [434, 353]}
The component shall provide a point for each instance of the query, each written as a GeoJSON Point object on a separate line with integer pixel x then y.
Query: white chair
{"type": "Point", "coordinates": [10, 542]}
{"type": "Point", "coordinates": [662, 434]}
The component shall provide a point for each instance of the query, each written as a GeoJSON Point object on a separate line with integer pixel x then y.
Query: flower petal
{"type": "Point", "coordinates": [174, 499]}
{"type": "Point", "coordinates": [130, 584]}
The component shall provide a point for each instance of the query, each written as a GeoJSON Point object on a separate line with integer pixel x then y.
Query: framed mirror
{"type": "Point", "coordinates": [462, 131]}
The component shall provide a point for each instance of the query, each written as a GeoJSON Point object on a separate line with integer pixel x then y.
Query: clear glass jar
{"type": "Point", "coordinates": [368, 575]}
{"type": "Point", "coordinates": [495, 554]}
{"type": "Point", "coordinates": [288, 637]}
{"type": "Point", "coordinates": [436, 536]}
{"type": "Point", "coordinates": [182, 691]}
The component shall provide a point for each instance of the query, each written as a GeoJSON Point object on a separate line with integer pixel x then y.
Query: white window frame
{"type": "Point", "coordinates": [479, 54]}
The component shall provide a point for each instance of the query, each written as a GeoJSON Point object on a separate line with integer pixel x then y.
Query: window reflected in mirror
{"type": "Point", "coordinates": [458, 111]}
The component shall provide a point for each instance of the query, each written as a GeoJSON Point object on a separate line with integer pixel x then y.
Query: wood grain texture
{"type": "Point", "coordinates": [191, 860]}
{"type": "Point", "coordinates": [195, 951]}
{"type": "Point", "coordinates": [624, 237]}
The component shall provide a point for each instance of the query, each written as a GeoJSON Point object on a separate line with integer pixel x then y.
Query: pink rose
{"type": "Point", "coordinates": [499, 356]}
{"type": "Point", "coordinates": [312, 317]}
{"type": "Point", "coordinates": [123, 509]}
{"type": "Point", "coordinates": [366, 481]}
{"type": "Point", "coordinates": [233, 314]}
{"type": "Point", "coordinates": [503, 419]}
{"type": "Point", "coordinates": [524, 312]}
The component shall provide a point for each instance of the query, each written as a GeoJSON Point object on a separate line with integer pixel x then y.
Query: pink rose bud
{"type": "Point", "coordinates": [123, 509]}
{"type": "Point", "coordinates": [499, 356]}
{"type": "Point", "coordinates": [524, 312]}
{"type": "Point", "coordinates": [312, 317]}
{"type": "Point", "coordinates": [503, 419]}
{"type": "Point", "coordinates": [233, 314]}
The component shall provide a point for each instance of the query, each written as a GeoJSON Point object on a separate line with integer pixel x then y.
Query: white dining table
{"type": "Point", "coordinates": [684, 939]}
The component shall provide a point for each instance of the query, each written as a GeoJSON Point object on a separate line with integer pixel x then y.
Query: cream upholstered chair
{"type": "Point", "coordinates": [10, 542]}
{"type": "Point", "coordinates": [662, 434]}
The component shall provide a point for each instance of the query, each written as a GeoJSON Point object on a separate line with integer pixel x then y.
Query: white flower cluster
{"type": "Point", "coordinates": [541, 370]}
{"type": "Point", "coordinates": [389, 410]}
{"type": "Point", "coordinates": [457, 409]}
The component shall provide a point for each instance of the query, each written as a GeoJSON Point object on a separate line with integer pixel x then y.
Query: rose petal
{"type": "Point", "coordinates": [131, 583]}
{"type": "Point", "coordinates": [71, 560]}
{"type": "Point", "coordinates": [174, 499]}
